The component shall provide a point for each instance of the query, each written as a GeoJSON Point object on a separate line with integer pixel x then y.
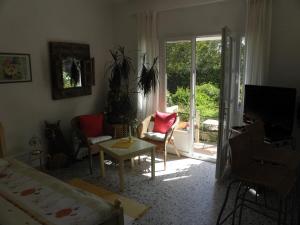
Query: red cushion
{"type": "Point", "coordinates": [92, 125]}
{"type": "Point", "coordinates": [163, 121]}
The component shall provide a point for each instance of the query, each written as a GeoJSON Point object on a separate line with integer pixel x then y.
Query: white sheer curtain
{"type": "Point", "coordinates": [258, 35]}
{"type": "Point", "coordinates": [147, 44]}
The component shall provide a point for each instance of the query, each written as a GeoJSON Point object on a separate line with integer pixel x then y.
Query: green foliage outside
{"type": "Point", "coordinates": [208, 68]}
{"type": "Point", "coordinates": [208, 62]}
{"type": "Point", "coordinates": [207, 100]}
{"type": "Point", "coordinates": [178, 65]}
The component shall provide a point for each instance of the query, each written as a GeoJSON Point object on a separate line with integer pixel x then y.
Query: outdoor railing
{"type": "Point", "coordinates": [202, 132]}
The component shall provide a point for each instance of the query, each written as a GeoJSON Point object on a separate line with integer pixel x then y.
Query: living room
{"type": "Point", "coordinates": [29, 26]}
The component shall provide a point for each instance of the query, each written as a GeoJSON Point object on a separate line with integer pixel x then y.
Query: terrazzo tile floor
{"type": "Point", "coordinates": [185, 194]}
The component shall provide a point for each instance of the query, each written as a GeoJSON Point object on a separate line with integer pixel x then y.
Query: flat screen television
{"type": "Point", "coordinates": [275, 106]}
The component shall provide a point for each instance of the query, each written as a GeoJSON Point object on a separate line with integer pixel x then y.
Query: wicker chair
{"type": "Point", "coordinates": [91, 143]}
{"type": "Point", "coordinates": [161, 144]}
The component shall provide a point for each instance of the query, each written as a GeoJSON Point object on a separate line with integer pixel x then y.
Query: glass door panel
{"type": "Point", "coordinates": [178, 71]}
{"type": "Point", "coordinates": [207, 95]}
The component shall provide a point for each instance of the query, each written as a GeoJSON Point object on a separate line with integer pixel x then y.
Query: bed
{"type": "Point", "coordinates": [30, 197]}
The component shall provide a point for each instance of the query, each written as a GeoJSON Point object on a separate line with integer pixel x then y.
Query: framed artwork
{"type": "Point", "coordinates": [15, 67]}
{"type": "Point", "coordinates": [72, 69]}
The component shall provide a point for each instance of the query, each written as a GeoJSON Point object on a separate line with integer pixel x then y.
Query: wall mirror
{"type": "Point", "coordinates": [72, 70]}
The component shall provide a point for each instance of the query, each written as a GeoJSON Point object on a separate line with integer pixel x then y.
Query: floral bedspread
{"type": "Point", "coordinates": [47, 199]}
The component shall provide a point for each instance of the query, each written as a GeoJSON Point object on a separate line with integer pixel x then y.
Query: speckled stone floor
{"type": "Point", "coordinates": [185, 194]}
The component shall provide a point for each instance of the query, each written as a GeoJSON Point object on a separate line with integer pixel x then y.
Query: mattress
{"type": "Point", "coordinates": [46, 199]}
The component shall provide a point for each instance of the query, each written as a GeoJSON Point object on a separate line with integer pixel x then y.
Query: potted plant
{"type": "Point", "coordinates": [118, 102]}
{"type": "Point", "coordinates": [119, 106]}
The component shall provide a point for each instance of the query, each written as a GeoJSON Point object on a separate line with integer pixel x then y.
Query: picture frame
{"type": "Point", "coordinates": [61, 54]}
{"type": "Point", "coordinates": [15, 67]}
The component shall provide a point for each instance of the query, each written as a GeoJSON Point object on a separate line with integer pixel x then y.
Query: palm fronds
{"type": "Point", "coordinates": [149, 77]}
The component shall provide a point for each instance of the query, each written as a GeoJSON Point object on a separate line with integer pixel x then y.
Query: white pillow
{"type": "Point", "coordinates": [155, 136]}
{"type": "Point", "coordinates": [95, 140]}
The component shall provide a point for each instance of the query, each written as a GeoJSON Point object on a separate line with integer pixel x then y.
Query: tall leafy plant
{"type": "Point", "coordinates": [119, 106]}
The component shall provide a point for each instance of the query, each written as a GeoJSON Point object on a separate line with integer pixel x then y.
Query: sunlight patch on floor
{"type": "Point", "coordinates": [176, 178]}
{"type": "Point", "coordinates": [174, 166]}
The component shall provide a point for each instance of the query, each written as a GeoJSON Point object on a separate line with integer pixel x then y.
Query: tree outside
{"type": "Point", "coordinates": [208, 68]}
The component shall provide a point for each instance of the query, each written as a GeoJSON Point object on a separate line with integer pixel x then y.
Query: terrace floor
{"type": "Point", "coordinates": [209, 149]}
{"type": "Point", "coordinates": [205, 151]}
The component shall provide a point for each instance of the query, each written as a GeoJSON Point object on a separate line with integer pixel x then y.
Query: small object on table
{"type": "Point", "coordinates": [36, 152]}
{"type": "Point", "coordinates": [129, 131]}
{"type": "Point", "coordinates": [122, 143]}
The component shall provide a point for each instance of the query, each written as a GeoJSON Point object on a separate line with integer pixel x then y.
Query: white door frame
{"type": "Point", "coordinates": [163, 84]}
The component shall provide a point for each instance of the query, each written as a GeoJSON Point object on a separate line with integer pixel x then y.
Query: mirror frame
{"type": "Point", "coordinates": [62, 50]}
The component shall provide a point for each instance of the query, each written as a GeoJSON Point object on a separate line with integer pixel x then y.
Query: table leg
{"type": "Point", "coordinates": [102, 169]}
{"type": "Point", "coordinates": [153, 163]}
{"type": "Point", "coordinates": [121, 174]}
{"type": "Point", "coordinates": [132, 162]}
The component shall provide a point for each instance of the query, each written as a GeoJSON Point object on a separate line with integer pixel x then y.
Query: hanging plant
{"type": "Point", "coordinates": [125, 63]}
{"type": "Point", "coordinates": [149, 77]}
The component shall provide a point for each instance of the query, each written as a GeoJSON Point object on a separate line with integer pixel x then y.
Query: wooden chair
{"type": "Point", "coordinates": [256, 166]}
{"type": "Point", "coordinates": [91, 143]}
{"type": "Point", "coordinates": [2, 141]}
{"type": "Point", "coordinates": [162, 141]}
{"type": "Point", "coordinates": [120, 130]}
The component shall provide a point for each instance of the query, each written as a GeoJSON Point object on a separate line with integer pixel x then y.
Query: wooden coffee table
{"type": "Point", "coordinates": [137, 147]}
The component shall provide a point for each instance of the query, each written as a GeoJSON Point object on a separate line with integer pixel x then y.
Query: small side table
{"type": "Point", "coordinates": [138, 147]}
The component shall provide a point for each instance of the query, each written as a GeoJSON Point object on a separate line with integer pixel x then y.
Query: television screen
{"type": "Point", "coordinates": [275, 106]}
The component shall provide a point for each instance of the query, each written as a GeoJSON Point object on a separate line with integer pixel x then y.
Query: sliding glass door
{"type": "Point", "coordinates": [179, 79]}
{"type": "Point", "coordinates": [197, 86]}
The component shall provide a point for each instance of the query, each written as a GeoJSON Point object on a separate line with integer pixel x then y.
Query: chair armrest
{"type": "Point", "coordinates": [143, 127]}
{"type": "Point", "coordinates": [81, 136]}
{"type": "Point", "coordinates": [169, 134]}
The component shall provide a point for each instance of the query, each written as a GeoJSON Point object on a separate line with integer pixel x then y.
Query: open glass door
{"type": "Point", "coordinates": [189, 68]}
{"type": "Point", "coordinates": [207, 95]}
{"type": "Point", "coordinates": [178, 67]}
{"type": "Point", "coordinates": [225, 103]}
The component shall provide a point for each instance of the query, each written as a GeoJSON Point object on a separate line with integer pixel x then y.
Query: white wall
{"type": "Point", "coordinates": [285, 49]}
{"type": "Point", "coordinates": [178, 19]}
{"type": "Point", "coordinates": [285, 44]}
{"type": "Point", "coordinates": [27, 27]}
{"type": "Point", "coordinates": [202, 20]}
